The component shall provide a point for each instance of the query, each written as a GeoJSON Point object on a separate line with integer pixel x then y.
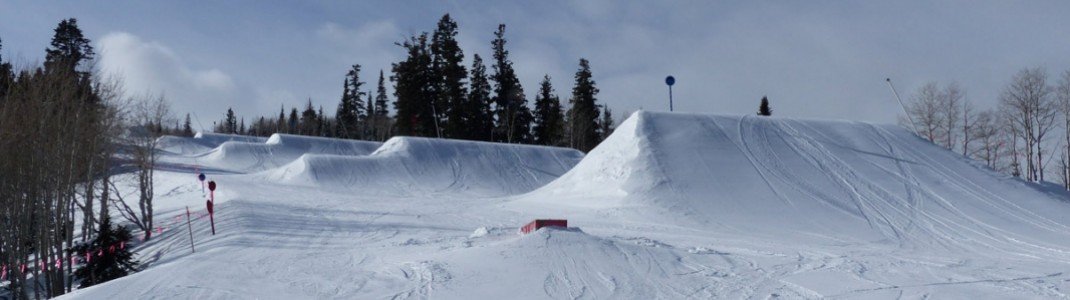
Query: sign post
{"type": "Point", "coordinates": [201, 178]}
{"type": "Point", "coordinates": [670, 81]}
{"type": "Point", "coordinates": [190, 226]}
{"type": "Point", "coordinates": [211, 203]}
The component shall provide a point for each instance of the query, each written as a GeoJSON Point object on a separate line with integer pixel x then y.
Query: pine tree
{"type": "Point", "coordinates": [450, 74]}
{"type": "Point", "coordinates": [109, 255]}
{"type": "Point", "coordinates": [280, 123]}
{"type": "Point", "coordinates": [350, 109]}
{"type": "Point", "coordinates": [549, 120]}
{"type": "Point", "coordinates": [479, 101]}
{"type": "Point", "coordinates": [513, 123]}
{"type": "Point", "coordinates": [309, 120]}
{"type": "Point", "coordinates": [68, 58]}
{"type": "Point", "coordinates": [241, 128]}
{"type": "Point", "coordinates": [294, 123]}
{"type": "Point", "coordinates": [187, 127]}
{"type": "Point", "coordinates": [381, 119]}
{"type": "Point", "coordinates": [381, 98]}
{"type": "Point", "coordinates": [763, 109]}
{"type": "Point", "coordinates": [607, 123]}
{"type": "Point", "coordinates": [69, 48]}
{"type": "Point", "coordinates": [370, 131]}
{"type": "Point", "coordinates": [413, 91]}
{"type": "Point", "coordinates": [322, 128]}
{"type": "Point", "coordinates": [230, 124]}
{"type": "Point", "coordinates": [583, 116]}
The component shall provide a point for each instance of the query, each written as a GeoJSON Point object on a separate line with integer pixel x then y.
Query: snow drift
{"type": "Point", "coordinates": [417, 166]}
{"type": "Point", "coordinates": [826, 181]}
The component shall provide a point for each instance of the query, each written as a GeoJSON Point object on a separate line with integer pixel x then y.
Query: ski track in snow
{"type": "Point", "coordinates": [671, 206]}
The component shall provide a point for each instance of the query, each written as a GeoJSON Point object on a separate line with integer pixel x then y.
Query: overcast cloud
{"type": "Point", "coordinates": [813, 59]}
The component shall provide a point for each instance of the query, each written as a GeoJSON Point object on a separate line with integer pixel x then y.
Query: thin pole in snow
{"type": "Point", "coordinates": [190, 226]}
{"type": "Point", "coordinates": [904, 107]}
{"type": "Point", "coordinates": [670, 81]}
{"type": "Point", "coordinates": [670, 98]}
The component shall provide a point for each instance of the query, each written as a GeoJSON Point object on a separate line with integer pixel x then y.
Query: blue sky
{"type": "Point", "coordinates": [814, 59]}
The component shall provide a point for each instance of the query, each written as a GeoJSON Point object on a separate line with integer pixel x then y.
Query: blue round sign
{"type": "Point", "coordinates": [670, 80]}
{"type": "Point", "coordinates": [200, 177]}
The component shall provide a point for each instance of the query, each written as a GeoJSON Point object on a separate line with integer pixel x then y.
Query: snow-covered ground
{"type": "Point", "coordinates": [670, 206]}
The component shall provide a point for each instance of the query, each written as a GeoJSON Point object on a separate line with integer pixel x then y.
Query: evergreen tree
{"type": "Point", "coordinates": [187, 127]}
{"type": "Point", "coordinates": [109, 255]}
{"type": "Point", "coordinates": [260, 128]}
{"type": "Point", "coordinates": [549, 120]}
{"type": "Point", "coordinates": [583, 116]}
{"type": "Point", "coordinates": [381, 98]}
{"type": "Point", "coordinates": [763, 109]}
{"type": "Point", "coordinates": [68, 57]}
{"type": "Point", "coordinates": [607, 123]}
{"type": "Point", "coordinates": [69, 48]}
{"type": "Point", "coordinates": [280, 123]}
{"type": "Point", "coordinates": [294, 124]}
{"type": "Point", "coordinates": [479, 101]}
{"type": "Point", "coordinates": [350, 109]}
{"type": "Point", "coordinates": [450, 74]}
{"type": "Point", "coordinates": [241, 128]}
{"type": "Point", "coordinates": [380, 119]}
{"type": "Point", "coordinates": [413, 90]}
{"type": "Point", "coordinates": [323, 129]}
{"type": "Point", "coordinates": [369, 120]}
{"type": "Point", "coordinates": [230, 124]}
{"type": "Point", "coordinates": [309, 121]}
{"type": "Point", "coordinates": [513, 123]}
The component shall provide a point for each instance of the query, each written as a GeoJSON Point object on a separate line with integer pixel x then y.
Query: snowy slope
{"type": "Point", "coordinates": [825, 181]}
{"type": "Point", "coordinates": [671, 206]}
{"type": "Point", "coordinates": [406, 166]}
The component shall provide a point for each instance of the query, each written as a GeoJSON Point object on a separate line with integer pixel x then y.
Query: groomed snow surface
{"type": "Point", "coordinates": [671, 206]}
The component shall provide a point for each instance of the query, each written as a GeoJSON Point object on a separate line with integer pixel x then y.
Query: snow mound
{"type": "Point", "coordinates": [557, 263]}
{"type": "Point", "coordinates": [410, 166]}
{"type": "Point", "coordinates": [215, 139]}
{"type": "Point", "coordinates": [201, 142]}
{"type": "Point", "coordinates": [829, 181]}
{"type": "Point", "coordinates": [279, 150]}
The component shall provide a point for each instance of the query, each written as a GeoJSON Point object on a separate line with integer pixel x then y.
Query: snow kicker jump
{"type": "Point", "coordinates": [812, 181]}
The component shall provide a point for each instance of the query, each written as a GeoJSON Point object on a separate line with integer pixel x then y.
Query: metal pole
{"type": "Point", "coordinates": [912, 125]}
{"type": "Point", "coordinates": [670, 98]}
{"type": "Point", "coordinates": [190, 226]}
{"type": "Point", "coordinates": [211, 214]}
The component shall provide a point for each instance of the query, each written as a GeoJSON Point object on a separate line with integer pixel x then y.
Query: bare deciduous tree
{"type": "Point", "coordinates": [1032, 112]}
{"type": "Point", "coordinates": [146, 117]}
{"type": "Point", "coordinates": [1062, 94]}
{"type": "Point", "coordinates": [951, 100]}
{"type": "Point", "coordinates": [925, 109]}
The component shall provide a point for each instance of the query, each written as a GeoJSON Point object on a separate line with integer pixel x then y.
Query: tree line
{"type": "Point", "coordinates": [437, 95]}
{"type": "Point", "coordinates": [61, 129]}
{"type": "Point", "coordinates": [1027, 134]}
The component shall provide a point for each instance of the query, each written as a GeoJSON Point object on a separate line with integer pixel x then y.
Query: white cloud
{"type": "Point", "coordinates": [151, 67]}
